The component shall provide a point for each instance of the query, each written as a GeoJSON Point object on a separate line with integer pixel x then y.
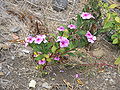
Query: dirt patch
{"type": "Point", "coordinates": [17, 66]}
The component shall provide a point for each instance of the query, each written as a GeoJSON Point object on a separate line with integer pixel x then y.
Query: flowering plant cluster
{"type": "Point", "coordinates": [50, 48]}
{"type": "Point", "coordinates": [111, 24]}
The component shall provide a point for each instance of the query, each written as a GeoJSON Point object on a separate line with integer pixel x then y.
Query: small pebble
{"type": "Point", "coordinates": [26, 51]}
{"type": "Point", "coordinates": [12, 57]}
{"type": "Point", "coordinates": [61, 71]}
{"type": "Point", "coordinates": [53, 79]}
{"type": "Point", "coordinates": [32, 83]}
{"type": "Point", "coordinates": [1, 74]}
{"type": "Point", "coordinates": [77, 75]}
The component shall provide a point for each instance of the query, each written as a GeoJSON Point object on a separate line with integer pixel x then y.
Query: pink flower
{"type": "Point", "coordinates": [64, 42]}
{"type": "Point", "coordinates": [59, 38]}
{"type": "Point", "coordinates": [88, 34]}
{"type": "Point", "coordinates": [77, 75]}
{"type": "Point", "coordinates": [71, 26]}
{"type": "Point", "coordinates": [41, 36]}
{"type": "Point", "coordinates": [61, 28]}
{"type": "Point", "coordinates": [29, 39]}
{"type": "Point", "coordinates": [38, 40]}
{"type": "Point", "coordinates": [90, 37]}
{"type": "Point", "coordinates": [86, 15]}
{"type": "Point", "coordinates": [45, 41]}
{"type": "Point", "coordinates": [57, 58]}
{"type": "Point", "coordinates": [41, 62]}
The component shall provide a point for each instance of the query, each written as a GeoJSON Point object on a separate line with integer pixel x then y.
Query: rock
{"type": "Point", "coordinates": [0, 66]}
{"type": "Point", "coordinates": [32, 83]}
{"type": "Point", "coordinates": [1, 74]}
{"type": "Point", "coordinates": [26, 51]}
{"type": "Point", "coordinates": [45, 85]}
{"type": "Point", "coordinates": [53, 79]}
{"type": "Point", "coordinates": [15, 29]}
{"type": "Point", "coordinates": [12, 57]}
{"type": "Point", "coordinates": [59, 5]}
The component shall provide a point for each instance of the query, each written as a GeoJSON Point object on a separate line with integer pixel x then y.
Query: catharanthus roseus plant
{"type": "Point", "coordinates": [111, 22]}
{"type": "Point", "coordinates": [51, 48]}
{"type": "Point", "coordinates": [90, 37]}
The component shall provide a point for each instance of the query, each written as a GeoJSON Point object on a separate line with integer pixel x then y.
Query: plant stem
{"type": "Point", "coordinates": [45, 65]}
{"type": "Point", "coordinates": [67, 51]}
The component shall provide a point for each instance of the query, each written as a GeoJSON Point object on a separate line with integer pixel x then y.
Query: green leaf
{"type": "Point", "coordinates": [114, 36]}
{"type": "Point", "coordinates": [70, 37]}
{"type": "Point", "coordinates": [71, 45]}
{"type": "Point", "coordinates": [117, 19]}
{"type": "Point", "coordinates": [53, 49]}
{"type": "Point", "coordinates": [35, 47]}
{"type": "Point", "coordinates": [113, 6]}
{"type": "Point", "coordinates": [108, 25]}
{"type": "Point", "coordinates": [65, 34]}
{"type": "Point", "coordinates": [57, 45]}
{"type": "Point", "coordinates": [39, 66]}
{"type": "Point", "coordinates": [52, 34]}
{"type": "Point", "coordinates": [40, 57]}
{"type": "Point", "coordinates": [48, 59]}
{"type": "Point", "coordinates": [115, 41]}
{"type": "Point", "coordinates": [81, 32]}
{"type": "Point", "coordinates": [117, 61]}
{"type": "Point", "coordinates": [108, 18]}
{"type": "Point", "coordinates": [46, 56]}
{"type": "Point", "coordinates": [71, 54]}
{"type": "Point", "coordinates": [76, 43]}
{"type": "Point", "coordinates": [49, 44]}
{"type": "Point", "coordinates": [79, 21]}
{"type": "Point", "coordinates": [61, 50]}
{"type": "Point", "coordinates": [60, 33]}
{"type": "Point", "coordinates": [67, 49]}
{"type": "Point", "coordinates": [105, 5]}
{"type": "Point", "coordinates": [83, 42]}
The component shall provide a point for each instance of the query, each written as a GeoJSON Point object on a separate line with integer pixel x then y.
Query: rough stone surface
{"type": "Point", "coordinates": [59, 5]}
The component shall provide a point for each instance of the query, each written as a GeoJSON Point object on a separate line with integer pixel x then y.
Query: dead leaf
{"type": "Point", "coordinates": [1, 74]}
{"type": "Point", "coordinates": [101, 70]}
{"type": "Point", "coordinates": [68, 84]}
{"type": "Point", "coordinates": [80, 82]}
